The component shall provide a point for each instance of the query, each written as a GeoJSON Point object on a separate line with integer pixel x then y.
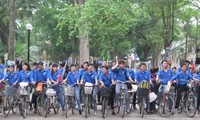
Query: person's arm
{"type": "Point", "coordinates": [149, 78]}
{"type": "Point", "coordinates": [114, 67]}
{"type": "Point", "coordinates": [128, 75]}
{"type": "Point", "coordinates": [136, 77]}
{"type": "Point", "coordinates": [157, 76]}
{"type": "Point", "coordinates": [96, 80]}
{"type": "Point", "coordinates": [101, 80]}
{"type": "Point", "coordinates": [67, 77]}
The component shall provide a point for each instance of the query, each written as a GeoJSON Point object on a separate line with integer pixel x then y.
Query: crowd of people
{"type": "Point", "coordinates": [104, 76]}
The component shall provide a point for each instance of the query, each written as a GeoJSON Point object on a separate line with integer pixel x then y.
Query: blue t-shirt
{"type": "Point", "coordinates": [122, 74]}
{"type": "Point", "coordinates": [81, 71]}
{"type": "Point", "coordinates": [165, 76]}
{"type": "Point", "coordinates": [72, 77]}
{"type": "Point", "coordinates": [42, 75]}
{"type": "Point", "coordinates": [33, 75]}
{"type": "Point", "coordinates": [54, 76]}
{"type": "Point", "coordinates": [12, 78]}
{"type": "Point", "coordinates": [182, 77]}
{"type": "Point", "coordinates": [180, 69]}
{"type": "Point", "coordinates": [132, 74]}
{"type": "Point", "coordinates": [90, 77]}
{"type": "Point", "coordinates": [106, 79]}
{"type": "Point", "coordinates": [140, 76]}
{"type": "Point", "coordinates": [1, 75]}
{"type": "Point", "coordinates": [24, 76]}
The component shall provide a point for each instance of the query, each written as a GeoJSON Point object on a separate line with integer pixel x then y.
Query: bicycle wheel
{"type": "Point", "coordinates": [123, 106]}
{"type": "Point", "coordinates": [132, 101]}
{"type": "Point", "coordinates": [6, 107]}
{"type": "Point", "coordinates": [14, 108]}
{"type": "Point", "coordinates": [66, 105]}
{"type": "Point", "coordinates": [40, 104]}
{"type": "Point", "coordinates": [56, 106]}
{"type": "Point", "coordinates": [191, 105]}
{"type": "Point", "coordinates": [181, 106]}
{"type": "Point", "coordinates": [166, 106]}
{"type": "Point", "coordinates": [86, 106]}
{"type": "Point", "coordinates": [46, 107]}
{"type": "Point", "coordinates": [104, 107]}
{"type": "Point", "coordinates": [142, 107]}
{"type": "Point", "coordinates": [23, 106]}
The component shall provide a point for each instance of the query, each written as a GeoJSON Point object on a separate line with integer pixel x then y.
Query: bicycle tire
{"type": "Point", "coordinates": [47, 106]}
{"type": "Point", "coordinates": [123, 106]}
{"type": "Point", "coordinates": [142, 107]}
{"type": "Point", "coordinates": [56, 106]}
{"type": "Point", "coordinates": [181, 106]}
{"type": "Point", "coordinates": [40, 104]}
{"type": "Point", "coordinates": [6, 107]}
{"type": "Point", "coordinates": [164, 108]}
{"type": "Point", "coordinates": [191, 100]}
{"type": "Point", "coordinates": [14, 108]}
{"type": "Point", "coordinates": [104, 109]}
{"type": "Point", "coordinates": [23, 106]}
{"type": "Point", "coordinates": [86, 106]}
{"type": "Point", "coordinates": [66, 106]}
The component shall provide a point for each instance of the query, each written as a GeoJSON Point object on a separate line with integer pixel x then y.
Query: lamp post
{"type": "Point", "coordinates": [29, 27]}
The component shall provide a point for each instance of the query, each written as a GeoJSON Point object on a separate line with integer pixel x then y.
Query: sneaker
{"type": "Point", "coordinates": [80, 113]}
{"type": "Point", "coordinates": [95, 113]}
{"type": "Point", "coordinates": [113, 113]}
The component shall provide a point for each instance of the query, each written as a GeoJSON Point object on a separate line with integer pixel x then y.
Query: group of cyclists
{"type": "Point", "coordinates": [116, 77]}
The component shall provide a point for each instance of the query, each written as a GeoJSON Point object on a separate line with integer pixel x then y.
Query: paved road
{"type": "Point", "coordinates": [134, 115]}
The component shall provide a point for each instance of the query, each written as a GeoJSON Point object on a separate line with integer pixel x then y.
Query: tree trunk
{"type": "Point", "coordinates": [83, 36]}
{"type": "Point", "coordinates": [11, 36]}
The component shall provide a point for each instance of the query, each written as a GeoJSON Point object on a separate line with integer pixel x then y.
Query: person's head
{"type": "Point", "coordinates": [104, 63]}
{"type": "Point", "coordinates": [90, 67]}
{"type": "Point", "coordinates": [183, 67]}
{"type": "Point", "coordinates": [85, 65]}
{"type": "Point", "coordinates": [165, 64]}
{"type": "Point", "coordinates": [50, 66]}
{"type": "Point", "coordinates": [121, 63]}
{"type": "Point", "coordinates": [35, 65]}
{"type": "Point", "coordinates": [174, 69]}
{"type": "Point", "coordinates": [41, 65]}
{"type": "Point", "coordinates": [26, 66]}
{"type": "Point", "coordinates": [54, 68]}
{"type": "Point", "coordinates": [113, 63]}
{"type": "Point", "coordinates": [61, 65]}
{"type": "Point", "coordinates": [143, 66]}
{"type": "Point", "coordinates": [11, 68]}
{"type": "Point", "coordinates": [187, 62]}
{"type": "Point", "coordinates": [105, 69]}
{"type": "Point", "coordinates": [73, 67]}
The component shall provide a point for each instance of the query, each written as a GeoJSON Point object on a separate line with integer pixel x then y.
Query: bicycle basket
{"type": "Point", "coordinates": [134, 88]}
{"type": "Point", "coordinates": [10, 91]}
{"type": "Point", "coordinates": [105, 92]}
{"type": "Point", "coordinates": [23, 91]}
{"type": "Point", "coordinates": [68, 90]}
{"type": "Point", "coordinates": [152, 97]}
{"type": "Point", "coordinates": [88, 89]}
{"type": "Point", "coordinates": [143, 92]}
{"type": "Point", "coordinates": [50, 92]}
{"type": "Point", "coordinates": [167, 87]}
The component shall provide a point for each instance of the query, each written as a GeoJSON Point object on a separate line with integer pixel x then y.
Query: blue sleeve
{"type": "Point", "coordinates": [175, 76]}
{"type": "Point", "coordinates": [19, 77]}
{"type": "Point", "coordinates": [67, 77]}
{"type": "Point", "coordinates": [50, 75]}
{"type": "Point", "coordinates": [190, 76]}
{"type": "Point", "coordinates": [136, 76]}
{"type": "Point", "coordinates": [95, 75]}
{"type": "Point", "coordinates": [99, 72]}
{"type": "Point", "coordinates": [127, 73]}
{"type": "Point", "coordinates": [149, 76]}
{"type": "Point", "coordinates": [83, 76]}
{"type": "Point", "coordinates": [100, 77]}
{"type": "Point", "coordinates": [115, 70]}
{"type": "Point", "coordinates": [32, 76]}
{"type": "Point", "coordinates": [1, 75]}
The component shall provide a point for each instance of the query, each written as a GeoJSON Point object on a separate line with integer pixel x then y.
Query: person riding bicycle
{"type": "Point", "coordinates": [188, 69]}
{"type": "Point", "coordinates": [182, 78]}
{"type": "Point", "coordinates": [122, 76]}
{"type": "Point", "coordinates": [72, 79]}
{"type": "Point", "coordinates": [11, 76]}
{"type": "Point", "coordinates": [90, 76]}
{"type": "Point", "coordinates": [163, 77]}
{"type": "Point", "coordinates": [54, 80]}
{"type": "Point", "coordinates": [143, 75]}
{"type": "Point", "coordinates": [106, 80]}
{"type": "Point", "coordinates": [41, 76]}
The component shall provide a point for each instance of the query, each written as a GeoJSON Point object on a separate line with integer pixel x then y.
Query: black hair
{"type": "Point", "coordinates": [174, 68]}
{"type": "Point", "coordinates": [164, 61]}
{"type": "Point", "coordinates": [40, 63]}
{"type": "Point", "coordinates": [72, 65]}
{"type": "Point", "coordinates": [27, 64]}
{"type": "Point", "coordinates": [62, 64]}
{"type": "Point", "coordinates": [142, 64]}
{"type": "Point", "coordinates": [54, 65]}
{"type": "Point", "coordinates": [35, 63]}
{"type": "Point", "coordinates": [183, 64]}
{"type": "Point", "coordinates": [86, 63]}
{"type": "Point", "coordinates": [187, 61]}
{"type": "Point", "coordinates": [106, 67]}
{"type": "Point", "coordinates": [90, 64]}
{"type": "Point", "coordinates": [50, 64]}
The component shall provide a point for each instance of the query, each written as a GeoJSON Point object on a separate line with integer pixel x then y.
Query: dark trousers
{"type": "Point", "coordinates": [198, 97]}
{"type": "Point", "coordinates": [180, 89]}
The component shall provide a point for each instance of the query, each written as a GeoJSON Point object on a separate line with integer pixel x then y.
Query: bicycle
{"type": "Point", "coordinates": [88, 88]}
{"type": "Point", "coordinates": [24, 98]}
{"type": "Point", "coordinates": [9, 101]}
{"type": "Point", "coordinates": [105, 93]}
{"type": "Point", "coordinates": [132, 95]}
{"type": "Point", "coordinates": [122, 99]}
{"type": "Point", "coordinates": [51, 101]}
{"type": "Point", "coordinates": [167, 104]}
{"type": "Point", "coordinates": [69, 98]}
{"type": "Point", "coordinates": [188, 101]}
